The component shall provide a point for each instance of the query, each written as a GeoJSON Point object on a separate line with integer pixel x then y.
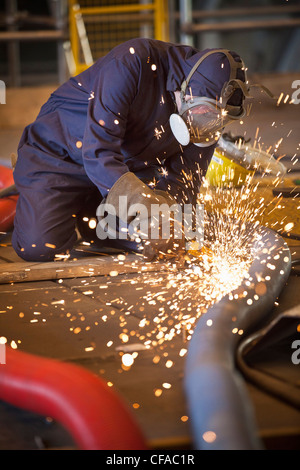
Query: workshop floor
{"type": "Point", "coordinates": [78, 310]}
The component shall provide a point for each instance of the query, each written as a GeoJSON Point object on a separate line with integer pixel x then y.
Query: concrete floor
{"type": "Point", "coordinates": [87, 300]}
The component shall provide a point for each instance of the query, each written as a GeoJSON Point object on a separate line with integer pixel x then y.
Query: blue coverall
{"type": "Point", "coordinates": [108, 120]}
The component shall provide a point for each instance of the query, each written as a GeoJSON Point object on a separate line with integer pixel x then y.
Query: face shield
{"type": "Point", "coordinates": [201, 120]}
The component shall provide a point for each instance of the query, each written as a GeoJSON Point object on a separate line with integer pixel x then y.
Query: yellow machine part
{"type": "Point", "coordinates": [224, 171]}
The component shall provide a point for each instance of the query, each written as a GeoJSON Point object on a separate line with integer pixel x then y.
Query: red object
{"type": "Point", "coordinates": [7, 204]}
{"type": "Point", "coordinates": [91, 411]}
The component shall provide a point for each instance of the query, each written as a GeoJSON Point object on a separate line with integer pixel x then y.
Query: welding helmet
{"type": "Point", "coordinates": [201, 120]}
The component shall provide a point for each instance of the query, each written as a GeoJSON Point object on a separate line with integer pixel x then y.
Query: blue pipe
{"type": "Point", "coordinates": [221, 413]}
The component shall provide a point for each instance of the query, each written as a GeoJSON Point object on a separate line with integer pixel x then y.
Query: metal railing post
{"type": "Point", "coordinates": [185, 14]}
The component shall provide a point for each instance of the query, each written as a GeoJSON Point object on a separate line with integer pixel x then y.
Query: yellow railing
{"type": "Point", "coordinates": [94, 30]}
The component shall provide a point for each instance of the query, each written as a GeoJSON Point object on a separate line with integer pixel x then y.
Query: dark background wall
{"type": "Point", "coordinates": [263, 50]}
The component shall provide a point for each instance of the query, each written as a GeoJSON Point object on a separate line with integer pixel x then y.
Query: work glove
{"type": "Point", "coordinates": [137, 208]}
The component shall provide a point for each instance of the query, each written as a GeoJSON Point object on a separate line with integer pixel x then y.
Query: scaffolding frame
{"type": "Point", "coordinates": [156, 12]}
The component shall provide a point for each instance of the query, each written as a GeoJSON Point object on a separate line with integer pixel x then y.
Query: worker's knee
{"type": "Point", "coordinates": [31, 249]}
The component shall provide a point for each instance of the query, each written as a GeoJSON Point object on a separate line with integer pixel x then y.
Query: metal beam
{"type": "Point", "coordinates": [230, 26]}
{"type": "Point", "coordinates": [43, 35]}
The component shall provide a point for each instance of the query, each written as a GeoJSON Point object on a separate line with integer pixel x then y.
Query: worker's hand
{"type": "Point", "coordinates": [163, 247]}
{"type": "Point", "coordinates": [153, 220]}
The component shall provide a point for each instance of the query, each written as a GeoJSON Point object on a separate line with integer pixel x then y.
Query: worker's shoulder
{"type": "Point", "coordinates": [140, 45]}
{"type": "Point", "coordinates": [139, 48]}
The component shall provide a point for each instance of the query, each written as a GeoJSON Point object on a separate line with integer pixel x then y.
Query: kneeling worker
{"type": "Point", "coordinates": [141, 123]}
